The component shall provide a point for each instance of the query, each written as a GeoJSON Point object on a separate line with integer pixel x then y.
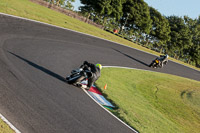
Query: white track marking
{"type": "Point", "coordinates": [10, 124]}
{"type": "Point", "coordinates": [109, 112]}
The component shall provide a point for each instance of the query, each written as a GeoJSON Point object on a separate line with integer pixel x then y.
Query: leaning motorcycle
{"type": "Point", "coordinates": [77, 76]}
{"type": "Point", "coordinates": [155, 63]}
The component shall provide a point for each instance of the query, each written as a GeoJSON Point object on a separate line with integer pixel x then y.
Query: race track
{"type": "Point", "coordinates": [34, 60]}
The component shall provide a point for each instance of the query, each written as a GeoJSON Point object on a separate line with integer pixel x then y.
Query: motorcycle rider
{"type": "Point", "coordinates": [94, 73]}
{"type": "Point", "coordinates": [163, 59]}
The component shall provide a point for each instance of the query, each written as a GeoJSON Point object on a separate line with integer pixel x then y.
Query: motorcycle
{"type": "Point", "coordinates": [155, 63]}
{"type": "Point", "coordinates": [77, 76]}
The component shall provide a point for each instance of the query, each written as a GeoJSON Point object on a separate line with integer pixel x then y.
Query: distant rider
{"type": "Point", "coordinates": [163, 59]}
{"type": "Point", "coordinates": [94, 73]}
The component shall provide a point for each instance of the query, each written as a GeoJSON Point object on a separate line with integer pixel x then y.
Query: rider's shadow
{"type": "Point", "coordinates": [132, 58]}
{"type": "Point", "coordinates": [40, 68]}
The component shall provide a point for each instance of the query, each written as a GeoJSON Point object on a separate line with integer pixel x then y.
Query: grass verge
{"type": "Point", "coordinates": [27, 9]}
{"type": "Point", "coordinates": [4, 128]}
{"type": "Point", "coordinates": [153, 102]}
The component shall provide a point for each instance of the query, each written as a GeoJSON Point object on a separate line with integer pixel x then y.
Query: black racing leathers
{"type": "Point", "coordinates": [94, 75]}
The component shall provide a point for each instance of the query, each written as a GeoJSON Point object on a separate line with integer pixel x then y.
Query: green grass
{"type": "Point", "coordinates": [153, 102]}
{"type": "Point", "coordinates": [27, 9]}
{"type": "Point", "coordinates": [150, 102]}
{"type": "Point", "coordinates": [4, 128]}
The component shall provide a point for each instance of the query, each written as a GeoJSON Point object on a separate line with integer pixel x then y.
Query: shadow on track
{"type": "Point", "coordinates": [40, 68]}
{"type": "Point", "coordinates": [132, 58]}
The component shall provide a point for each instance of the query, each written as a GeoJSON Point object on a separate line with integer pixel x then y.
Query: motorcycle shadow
{"type": "Point", "coordinates": [132, 58]}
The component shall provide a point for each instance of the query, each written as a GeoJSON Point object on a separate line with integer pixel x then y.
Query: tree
{"type": "Point", "coordinates": [139, 16]}
{"type": "Point", "coordinates": [180, 36]}
{"type": "Point", "coordinates": [193, 32]}
{"type": "Point", "coordinates": [62, 3]}
{"type": "Point", "coordinates": [103, 9]}
{"type": "Point", "coordinates": [88, 8]}
{"type": "Point", "coordinates": [194, 50]}
{"type": "Point", "coordinates": [160, 29]}
{"type": "Point", "coordinates": [137, 12]}
{"type": "Point", "coordinates": [117, 11]}
{"type": "Point", "coordinates": [68, 4]}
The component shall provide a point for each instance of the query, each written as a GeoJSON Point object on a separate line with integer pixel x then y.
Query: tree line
{"type": "Point", "coordinates": [179, 37]}
{"type": "Point", "coordinates": [67, 4]}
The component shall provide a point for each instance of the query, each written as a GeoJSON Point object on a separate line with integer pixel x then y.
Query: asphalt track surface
{"type": "Point", "coordinates": [34, 60]}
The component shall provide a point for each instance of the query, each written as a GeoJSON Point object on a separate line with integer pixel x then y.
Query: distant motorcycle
{"type": "Point", "coordinates": [77, 76]}
{"type": "Point", "coordinates": [159, 61]}
{"type": "Point", "coordinates": [155, 63]}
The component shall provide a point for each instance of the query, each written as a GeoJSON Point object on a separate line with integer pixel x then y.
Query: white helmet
{"type": "Point", "coordinates": [167, 55]}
